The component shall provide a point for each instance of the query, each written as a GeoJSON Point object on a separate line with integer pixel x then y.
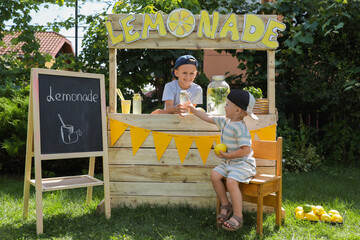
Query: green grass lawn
{"type": "Point", "coordinates": [66, 216]}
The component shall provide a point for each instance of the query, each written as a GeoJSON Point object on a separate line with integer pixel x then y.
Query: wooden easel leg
{"type": "Point", "coordinates": [91, 173]}
{"type": "Point", "coordinates": [27, 186]}
{"type": "Point", "coordinates": [38, 183]}
{"type": "Point", "coordinates": [28, 158]}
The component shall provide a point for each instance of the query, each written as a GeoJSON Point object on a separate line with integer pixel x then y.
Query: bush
{"type": "Point", "coordinates": [13, 125]}
{"type": "Point", "coordinates": [299, 155]}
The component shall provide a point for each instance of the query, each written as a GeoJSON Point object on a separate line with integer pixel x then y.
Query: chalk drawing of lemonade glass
{"type": "Point", "coordinates": [67, 133]}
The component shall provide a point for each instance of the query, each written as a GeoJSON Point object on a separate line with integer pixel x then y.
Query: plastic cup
{"type": "Point", "coordinates": [125, 106]}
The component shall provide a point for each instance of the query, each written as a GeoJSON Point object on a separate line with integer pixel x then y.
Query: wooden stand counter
{"type": "Point", "coordinates": [141, 178]}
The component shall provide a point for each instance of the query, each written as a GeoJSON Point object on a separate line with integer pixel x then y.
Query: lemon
{"type": "Point", "coordinates": [307, 208]}
{"type": "Point", "coordinates": [220, 147]}
{"type": "Point", "coordinates": [318, 210]}
{"type": "Point", "coordinates": [332, 212]}
{"type": "Point", "coordinates": [299, 208]}
{"type": "Point", "coordinates": [325, 218]}
{"type": "Point", "coordinates": [181, 22]}
{"type": "Point", "coordinates": [299, 215]}
{"type": "Point", "coordinates": [311, 216]}
{"type": "Point", "coordinates": [336, 218]}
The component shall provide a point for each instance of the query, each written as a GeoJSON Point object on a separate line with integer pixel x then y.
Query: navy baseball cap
{"type": "Point", "coordinates": [185, 59]}
{"type": "Point", "coordinates": [244, 100]}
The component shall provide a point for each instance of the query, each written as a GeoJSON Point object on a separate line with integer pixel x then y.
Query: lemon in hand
{"type": "Point", "coordinates": [220, 147]}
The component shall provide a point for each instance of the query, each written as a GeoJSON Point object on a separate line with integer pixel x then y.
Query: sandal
{"type": "Point", "coordinates": [226, 216]}
{"type": "Point", "coordinates": [233, 225]}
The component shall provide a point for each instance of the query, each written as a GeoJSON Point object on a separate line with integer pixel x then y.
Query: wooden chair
{"type": "Point", "coordinates": [264, 189]}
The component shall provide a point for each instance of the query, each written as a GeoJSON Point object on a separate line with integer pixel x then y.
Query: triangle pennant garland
{"type": "Point", "coordinates": [204, 144]}
{"type": "Point", "coordinates": [116, 130]}
{"type": "Point", "coordinates": [183, 144]}
{"type": "Point", "coordinates": [138, 136]}
{"type": "Point", "coordinates": [267, 133]}
{"type": "Point", "coordinates": [216, 138]}
{"type": "Point", "coordinates": [161, 142]}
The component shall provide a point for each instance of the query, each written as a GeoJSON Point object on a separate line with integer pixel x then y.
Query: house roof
{"type": "Point", "coordinates": [50, 42]}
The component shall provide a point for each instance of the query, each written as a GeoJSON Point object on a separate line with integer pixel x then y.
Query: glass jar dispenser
{"type": "Point", "coordinates": [217, 92]}
{"type": "Point", "coordinates": [137, 103]}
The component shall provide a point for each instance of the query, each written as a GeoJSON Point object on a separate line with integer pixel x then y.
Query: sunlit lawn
{"type": "Point", "coordinates": [66, 216]}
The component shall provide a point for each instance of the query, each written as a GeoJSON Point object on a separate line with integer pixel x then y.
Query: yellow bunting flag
{"type": "Point", "coordinates": [183, 144]}
{"type": "Point", "coordinates": [252, 133]}
{"type": "Point", "coordinates": [217, 139]}
{"type": "Point", "coordinates": [116, 130]}
{"type": "Point", "coordinates": [161, 142]}
{"type": "Point", "coordinates": [267, 133]}
{"type": "Point", "coordinates": [138, 136]}
{"type": "Point", "coordinates": [204, 144]}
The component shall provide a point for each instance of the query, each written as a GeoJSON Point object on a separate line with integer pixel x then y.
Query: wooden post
{"type": "Point", "coordinates": [271, 80]}
{"type": "Point", "coordinates": [112, 80]}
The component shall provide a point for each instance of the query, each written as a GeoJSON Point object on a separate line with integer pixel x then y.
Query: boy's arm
{"type": "Point", "coordinates": [241, 152]}
{"type": "Point", "coordinates": [200, 114]}
{"type": "Point", "coordinates": [171, 109]}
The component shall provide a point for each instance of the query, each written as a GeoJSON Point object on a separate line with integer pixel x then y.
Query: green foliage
{"type": "Point", "coordinates": [256, 92]}
{"type": "Point", "coordinates": [299, 155]}
{"type": "Point", "coordinates": [318, 71]}
{"type": "Point", "coordinates": [13, 125]}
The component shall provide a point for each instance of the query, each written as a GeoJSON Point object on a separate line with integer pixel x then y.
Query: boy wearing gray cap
{"type": "Point", "coordinates": [185, 71]}
{"type": "Point", "coordinates": [238, 163]}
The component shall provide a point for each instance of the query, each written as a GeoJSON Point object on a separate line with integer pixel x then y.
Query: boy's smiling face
{"type": "Point", "coordinates": [186, 74]}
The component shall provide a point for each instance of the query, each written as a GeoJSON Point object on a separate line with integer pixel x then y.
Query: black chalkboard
{"type": "Point", "coordinates": [70, 114]}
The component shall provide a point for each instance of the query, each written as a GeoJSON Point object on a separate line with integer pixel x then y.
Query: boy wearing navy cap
{"type": "Point", "coordinates": [185, 71]}
{"type": "Point", "coordinates": [238, 163]}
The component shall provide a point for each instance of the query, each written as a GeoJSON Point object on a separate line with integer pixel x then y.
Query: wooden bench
{"type": "Point", "coordinates": [264, 189]}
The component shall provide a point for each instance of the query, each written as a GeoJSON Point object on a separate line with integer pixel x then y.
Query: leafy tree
{"type": "Point", "coordinates": [318, 71]}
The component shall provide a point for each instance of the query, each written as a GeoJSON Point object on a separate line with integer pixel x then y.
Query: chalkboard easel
{"type": "Point", "coordinates": [66, 119]}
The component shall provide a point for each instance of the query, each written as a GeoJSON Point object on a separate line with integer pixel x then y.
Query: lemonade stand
{"type": "Point", "coordinates": [165, 158]}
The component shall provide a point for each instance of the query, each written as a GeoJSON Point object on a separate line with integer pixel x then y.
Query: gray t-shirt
{"type": "Point", "coordinates": [172, 92]}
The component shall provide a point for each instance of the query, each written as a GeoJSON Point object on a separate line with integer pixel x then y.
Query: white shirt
{"type": "Point", "coordinates": [172, 92]}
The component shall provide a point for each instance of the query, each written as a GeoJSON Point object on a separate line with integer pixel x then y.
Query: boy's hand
{"type": "Point", "coordinates": [181, 109]}
{"type": "Point", "coordinates": [222, 154]}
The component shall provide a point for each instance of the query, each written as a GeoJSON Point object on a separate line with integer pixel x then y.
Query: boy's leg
{"type": "Point", "coordinates": [236, 199]}
{"type": "Point", "coordinates": [219, 187]}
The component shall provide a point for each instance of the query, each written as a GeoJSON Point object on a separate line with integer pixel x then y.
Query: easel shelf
{"type": "Point", "coordinates": [59, 183]}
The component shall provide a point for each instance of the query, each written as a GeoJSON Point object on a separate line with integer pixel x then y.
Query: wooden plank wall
{"type": "Point", "coordinates": [143, 179]}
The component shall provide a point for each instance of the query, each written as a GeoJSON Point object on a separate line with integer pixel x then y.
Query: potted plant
{"type": "Point", "coordinates": [261, 104]}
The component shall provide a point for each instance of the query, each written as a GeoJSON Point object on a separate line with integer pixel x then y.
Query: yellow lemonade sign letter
{"type": "Point", "coordinates": [253, 28]}
{"type": "Point", "coordinates": [205, 26]}
{"type": "Point", "coordinates": [157, 24]}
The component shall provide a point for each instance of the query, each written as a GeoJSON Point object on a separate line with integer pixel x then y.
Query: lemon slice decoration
{"type": "Point", "coordinates": [181, 22]}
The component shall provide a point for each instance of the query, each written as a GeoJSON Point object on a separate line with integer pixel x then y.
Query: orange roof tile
{"type": "Point", "coordinates": [50, 42]}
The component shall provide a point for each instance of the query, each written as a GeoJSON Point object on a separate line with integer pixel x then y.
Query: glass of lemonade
{"type": "Point", "coordinates": [125, 106]}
